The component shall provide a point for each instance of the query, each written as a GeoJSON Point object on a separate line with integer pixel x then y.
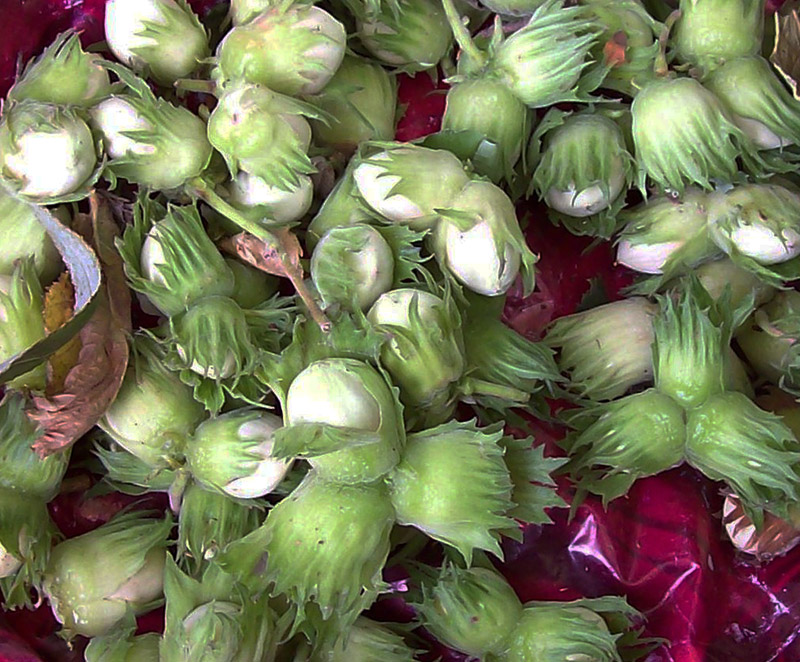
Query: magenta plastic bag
{"type": "Point", "coordinates": [662, 547]}
{"type": "Point", "coordinates": [13, 648]}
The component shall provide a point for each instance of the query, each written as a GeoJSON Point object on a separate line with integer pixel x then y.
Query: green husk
{"type": "Point", "coordinates": [480, 243]}
{"type": "Point", "coordinates": [120, 645]}
{"type": "Point", "coordinates": [208, 523]}
{"type": "Point", "coordinates": [168, 149]}
{"type": "Point", "coordinates": [423, 351]}
{"type": "Point", "coordinates": [217, 346]}
{"type": "Point", "coordinates": [546, 61]}
{"type": "Point", "coordinates": [371, 641]}
{"type": "Point", "coordinates": [597, 630]}
{"type": "Point", "coordinates": [683, 135]}
{"type": "Point", "coordinates": [291, 48]}
{"type": "Point", "coordinates": [270, 206]}
{"type": "Point", "coordinates": [89, 596]}
{"type": "Point", "coordinates": [130, 475]}
{"type": "Point", "coordinates": [263, 133]}
{"type": "Point", "coordinates": [361, 101]}
{"type": "Point", "coordinates": [22, 320]}
{"type": "Point", "coordinates": [352, 266]}
{"type": "Point", "coordinates": [769, 341]}
{"type": "Point", "coordinates": [501, 123]}
{"type": "Point", "coordinates": [349, 337]}
{"type": "Point", "coordinates": [154, 413]}
{"type": "Point", "coordinates": [243, 11]}
{"type": "Point", "coordinates": [344, 416]}
{"type": "Point", "coordinates": [753, 94]}
{"type": "Point", "coordinates": [251, 287]}
{"type": "Point", "coordinates": [341, 208]}
{"type": "Point", "coordinates": [24, 237]}
{"type": "Point", "coordinates": [688, 353]}
{"type": "Point", "coordinates": [411, 35]}
{"type": "Point", "coordinates": [711, 32]}
{"type": "Point", "coordinates": [168, 43]}
{"type": "Point", "coordinates": [758, 226]}
{"type": "Point", "coordinates": [408, 184]}
{"type": "Point", "coordinates": [170, 259]}
{"type": "Point", "coordinates": [723, 275]}
{"type": "Point", "coordinates": [582, 154]}
{"type": "Point", "coordinates": [534, 489]}
{"type": "Point", "coordinates": [627, 23]}
{"type": "Point", "coordinates": [500, 361]}
{"type": "Point", "coordinates": [21, 469]}
{"type": "Point", "coordinates": [64, 74]}
{"type": "Point", "coordinates": [26, 537]}
{"type": "Point", "coordinates": [324, 547]}
{"type": "Point", "coordinates": [624, 440]}
{"type": "Point", "coordinates": [232, 455]}
{"type": "Point", "coordinates": [474, 611]}
{"type": "Point", "coordinates": [606, 350]}
{"type": "Point", "coordinates": [667, 236]}
{"type": "Point", "coordinates": [213, 620]}
{"type": "Point", "coordinates": [73, 165]}
{"type": "Point", "coordinates": [730, 438]}
{"type": "Point", "coordinates": [452, 484]}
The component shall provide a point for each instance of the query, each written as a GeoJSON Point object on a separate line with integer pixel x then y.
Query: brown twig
{"type": "Point", "coordinates": [276, 251]}
{"type": "Point", "coordinates": [278, 260]}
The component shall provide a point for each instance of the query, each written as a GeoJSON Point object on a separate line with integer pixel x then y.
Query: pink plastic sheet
{"type": "Point", "coordinates": [662, 546]}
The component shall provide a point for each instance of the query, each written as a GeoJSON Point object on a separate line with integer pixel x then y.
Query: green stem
{"type": "Point", "coordinates": [201, 189]}
{"type": "Point", "coordinates": [461, 33]}
{"type": "Point", "coordinates": [471, 386]}
{"type": "Point", "coordinates": [193, 85]}
{"type": "Point", "coordinates": [661, 67]}
{"type": "Point", "coordinates": [176, 490]}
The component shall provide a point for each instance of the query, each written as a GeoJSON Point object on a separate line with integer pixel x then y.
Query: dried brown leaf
{"type": "Point", "coordinates": [92, 384]}
{"type": "Point", "coordinates": [264, 256]}
{"type": "Point", "coordinates": [786, 54]}
{"type": "Point", "coordinates": [324, 179]}
{"type": "Point", "coordinates": [279, 258]}
{"type": "Point", "coordinates": [615, 48]}
{"type": "Point", "coordinates": [105, 232]}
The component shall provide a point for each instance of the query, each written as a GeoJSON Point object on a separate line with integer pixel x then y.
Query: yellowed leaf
{"type": "Point", "coordinates": [59, 302]}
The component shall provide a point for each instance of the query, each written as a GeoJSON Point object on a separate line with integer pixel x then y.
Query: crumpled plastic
{"type": "Point", "coordinates": [662, 546]}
